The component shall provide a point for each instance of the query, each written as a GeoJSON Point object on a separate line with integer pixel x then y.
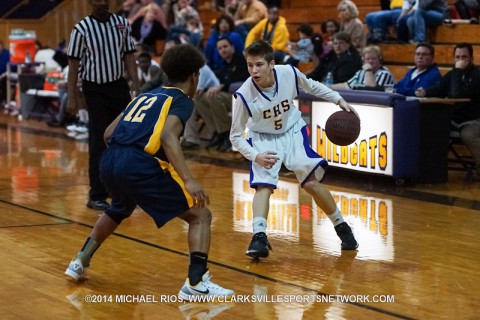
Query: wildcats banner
{"type": "Point", "coordinates": [371, 152]}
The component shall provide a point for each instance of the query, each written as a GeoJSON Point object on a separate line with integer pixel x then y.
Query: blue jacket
{"type": "Point", "coordinates": [211, 53]}
{"type": "Point", "coordinates": [426, 79]}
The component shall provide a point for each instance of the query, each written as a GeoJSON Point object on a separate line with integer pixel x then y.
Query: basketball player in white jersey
{"type": "Point", "coordinates": [277, 134]}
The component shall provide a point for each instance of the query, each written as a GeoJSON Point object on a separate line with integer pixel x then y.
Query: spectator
{"type": "Point", "coordinates": [273, 30]}
{"type": "Point", "coordinates": [167, 5]}
{"type": "Point", "coordinates": [147, 30]}
{"type": "Point", "coordinates": [106, 91]}
{"type": "Point", "coordinates": [424, 75]}
{"type": "Point", "coordinates": [343, 62]}
{"type": "Point", "coordinates": [468, 9]}
{"type": "Point", "coordinates": [227, 7]}
{"type": "Point", "coordinates": [148, 5]}
{"type": "Point", "coordinates": [223, 27]}
{"type": "Point", "coordinates": [329, 28]}
{"type": "Point", "coordinates": [351, 24]}
{"type": "Point", "coordinates": [302, 50]}
{"type": "Point", "coordinates": [378, 22]}
{"type": "Point", "coordinates": [146, 70]}
{"type": "Point", "coordinates": [186, 26]}
{"type": "Point", "coordinates": [462, 82]}
{"type": "Point", "coordinates": [46, 55]}
{"type": "Point", "coordinates": [194, 34]}
{"type": "Point", "coordinates": [129, 8]}
{"type": "Point", "coordinates": [215, 104]}
{"type": "Point", "coordinates": [373, 75]}
{"type": "Point", "coordinates": [417, 15]}
{"type": "Point", "coordinates": [182, 10]}
{"type": "Point", "coordinates": [248, 14]}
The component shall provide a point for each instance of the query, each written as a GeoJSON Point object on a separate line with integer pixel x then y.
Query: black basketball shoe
{"type": "Point", "coordinates": [346, 235]}
{"type": "Point", "coordinates": [259, 246]}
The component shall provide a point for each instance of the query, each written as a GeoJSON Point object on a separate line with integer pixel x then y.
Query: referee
{"type": "Point", "coordinates": [100, 49]}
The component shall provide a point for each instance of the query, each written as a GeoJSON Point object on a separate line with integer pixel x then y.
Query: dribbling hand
{"type": "Point", "coordinates": [344, 105]}
{"type": "Point", "coordinates": [267, 159]}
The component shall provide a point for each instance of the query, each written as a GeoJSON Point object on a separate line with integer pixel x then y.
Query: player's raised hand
{"type": "Point", "coordinates": [195, 189]}
{"type": "Point", "coordinates": [267, 159]}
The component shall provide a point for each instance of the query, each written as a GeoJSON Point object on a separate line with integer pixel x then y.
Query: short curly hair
{"type": "Point", "coordinates": [181, 61]}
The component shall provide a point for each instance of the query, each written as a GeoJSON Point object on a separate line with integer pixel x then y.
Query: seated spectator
{"type": "Point", "coordinates": [146, 70]}
{"type": "Point", "coordinates": [147, 30]}
{"type": "Point", "coordinates": [45, 55]}
{"type": "Point", "coordinates": [273, 30]}
{"type": "Point", "coordinates": [129, 8]}
{"type": "Point", "coordinates": [248, 14]}
{"type": "Point", "coordinates": [372, 76]}
{"type": "Point", "coordinates": [195, 32]}
{"type": "Point", "coordinates": [151, 5]}
{"type": "Point", "coordinates": [167, 5]}
{"type": "Point", "coordinates": [417, 16]}
{"type": "Point", "coordinates": [462, 82]}
{"type": "Point", "coordinates": [182, 10]}
{"type": "Point", "coordinates": [302, 50]}
{"type": "Point", "coordinates": [186, 26]}
{"type": "Point", "coordinates": [223, 27]}
{"type": "Point", "coordinates": [215, 103]}
{"type": "Point", "coordinates": [424, 75]}
{"type": "Point", "coordinates": [227, 7]}
{"type": "Point", "coordinates": [468, 9]}
{"type": "Point", "coordinates": [329, 28]}
{"type": "Point", "coordinates": [379, 22]}
{"type": "Point", "coordinates": [351, 24]}
{"type": "Point", "coordinates": [343, 62]}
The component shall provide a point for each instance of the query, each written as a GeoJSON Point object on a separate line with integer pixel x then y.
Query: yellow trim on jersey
{"type": "Point", "coordinates": [155, 142]}
{"type": "Point", "coordinates": [173, 88]}
{"type": "Point", "coordinates": [168, 167]}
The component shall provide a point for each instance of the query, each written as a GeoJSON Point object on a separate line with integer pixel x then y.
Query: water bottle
{"type": "Point", "coordinates": [28, 59]}
{"type": "Point", "coordinates": [329, 78]}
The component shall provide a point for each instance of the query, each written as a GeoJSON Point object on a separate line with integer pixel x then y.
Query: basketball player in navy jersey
{"type": "Point", "coordinates": [144, 165]}
{"type": "Point", "coordinates": [277, 134]}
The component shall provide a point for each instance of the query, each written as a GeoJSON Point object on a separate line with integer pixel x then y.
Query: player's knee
{"type": "Point", "coordinates": [311, 185]}
{"type": "Point", "coordinates": [200, 216]}
{"type": "Point", "coordinates": [117, 218]}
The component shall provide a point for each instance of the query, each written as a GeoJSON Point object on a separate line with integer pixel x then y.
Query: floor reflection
{"type": "Point", "coordinates": [371, 219]}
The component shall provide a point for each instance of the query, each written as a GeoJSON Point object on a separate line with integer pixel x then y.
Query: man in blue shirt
{"type": "Point", "coordinates": [424, 75]}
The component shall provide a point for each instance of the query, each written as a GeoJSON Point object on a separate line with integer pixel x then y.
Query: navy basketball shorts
{"type": "Point", "coordinates": [133, 177]}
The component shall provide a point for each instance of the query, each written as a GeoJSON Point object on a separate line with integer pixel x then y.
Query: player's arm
{"type": "Point", "coordinates": [239, 123]}
{"type": "Point", "coordinates": [109, 131]}
{"type": "Point", "coordinates": [322, 91]}
{"type": "Point", "coordinates": [171, 146]}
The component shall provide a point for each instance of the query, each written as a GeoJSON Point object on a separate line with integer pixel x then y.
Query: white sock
{"type": "Point", "coordinates": [83, 115]}
{"type": "Point", "coordinates": [336, 217]}
{"type": "Point", "coordinates": [259, 224]}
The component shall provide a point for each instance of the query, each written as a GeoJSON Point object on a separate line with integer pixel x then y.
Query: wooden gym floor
{"type": "Point", "coordinates": [417, 257]}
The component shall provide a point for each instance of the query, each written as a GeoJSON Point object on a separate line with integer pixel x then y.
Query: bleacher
{"type": "Point", "coordinates": [397, 57]}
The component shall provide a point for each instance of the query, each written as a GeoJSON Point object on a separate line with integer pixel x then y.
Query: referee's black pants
{"type": "Point", "coordinates": [104, 103]}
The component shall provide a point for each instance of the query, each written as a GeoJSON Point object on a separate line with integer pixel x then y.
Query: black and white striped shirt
{"type": "Point", "coordinates": [101, 47]}
{"type": "Point", "coordinates": [383, 76]}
